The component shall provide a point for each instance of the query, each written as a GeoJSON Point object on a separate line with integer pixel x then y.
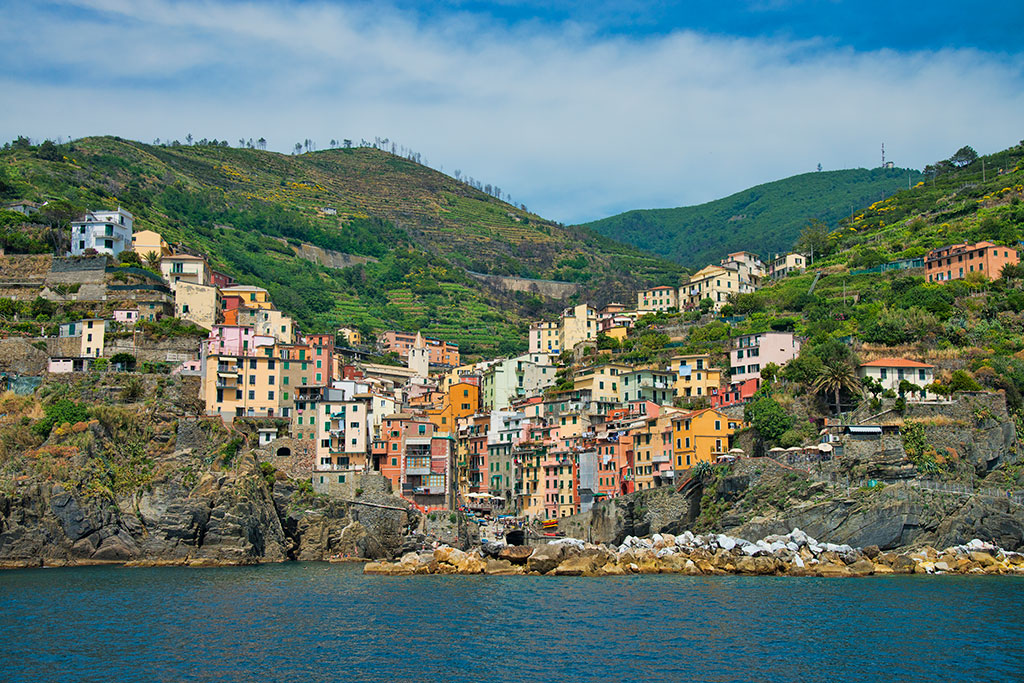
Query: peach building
{"type": "Point", "coordinates": [959, 260]}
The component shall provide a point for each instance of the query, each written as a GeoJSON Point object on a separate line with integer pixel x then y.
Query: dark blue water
{"type": "Point", "coordinates": [319, 622]}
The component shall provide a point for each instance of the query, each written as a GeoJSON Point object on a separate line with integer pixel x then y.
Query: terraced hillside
{"type": "Point", "coordinates": [766, 219]}
{"type": "Point", "coordinates": [424, 229]}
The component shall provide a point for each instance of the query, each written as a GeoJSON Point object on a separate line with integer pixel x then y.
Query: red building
{"type": "Point", "coordinates": [736, 393]}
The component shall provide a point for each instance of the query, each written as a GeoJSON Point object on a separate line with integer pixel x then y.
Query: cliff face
{"type": "Point", "coordinates": [899, 516]}
{"type": "Point", "coordinates": [227, 518]}
{"type": "Point", "coordinates": [757, 497]}
{"type": "Point", "coordinates": [150, 482]}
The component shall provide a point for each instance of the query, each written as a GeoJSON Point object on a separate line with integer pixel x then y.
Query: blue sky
{"type": "Point", "coordinates": [578, 109]}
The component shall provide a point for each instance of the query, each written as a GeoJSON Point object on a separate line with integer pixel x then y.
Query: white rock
{"type": "Point", "coordinates": [752, 550]}
{"type": "Point", "coordinates": [685, 539]}
{"type": "Point", "coordinates": [798, 561]}
{"type": "Point", "coordinates": [793, 546]}
{"type": "Point", "coordinates": [657, 538]}
{"type": "Point", "coordinates": [777, 546]}
{"type": "Point", "coordinates": [725, 542]}
{"type": "Point", "coordinates": [664, 552]}
{"type": "Point", "coordinates": [814, 548]}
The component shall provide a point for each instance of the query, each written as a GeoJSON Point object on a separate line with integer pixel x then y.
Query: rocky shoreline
{"type": "Point", "coordinates": [792, 554]}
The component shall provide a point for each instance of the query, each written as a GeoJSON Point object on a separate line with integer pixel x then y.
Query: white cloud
{"type": "Point", "coordinates": [575, 125]}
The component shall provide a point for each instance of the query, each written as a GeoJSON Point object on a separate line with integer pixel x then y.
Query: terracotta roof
{"type": "Point", "coordinates": [895, 363]}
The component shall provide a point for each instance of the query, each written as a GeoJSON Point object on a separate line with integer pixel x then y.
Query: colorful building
{"type": "Point", "coordinates": [751, 352]}
{"type": "Point", "coordinates": [959, 260]}
{"type": "Point", "coordinates": [107, 232]}
{"type": "Point", "coordinates": [662, 298]}
{"type": "Point", "coordinates": [701, 436]}
{"type": "Point", "coordinates": [710, 282]}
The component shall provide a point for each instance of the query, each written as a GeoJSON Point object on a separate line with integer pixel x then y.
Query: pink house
{"type": "Point", "coordinates": [126, 316]}
{"type": "Point", "coordinates": [236, 340]}
{"type": "Point", "coordinates": [751, 352]}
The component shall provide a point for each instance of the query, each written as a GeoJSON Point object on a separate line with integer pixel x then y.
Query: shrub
{"type": "Point", "coordinates": [57, 413]}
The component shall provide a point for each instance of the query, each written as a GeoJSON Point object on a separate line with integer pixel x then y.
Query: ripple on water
{"type": "Point", "coordinates": [320, 622]}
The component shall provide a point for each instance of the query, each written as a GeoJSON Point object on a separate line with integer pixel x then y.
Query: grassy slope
{"type": "Point", "coordinates": [767, 218]}
{"type": "Point", "coordinates": [425, 228]}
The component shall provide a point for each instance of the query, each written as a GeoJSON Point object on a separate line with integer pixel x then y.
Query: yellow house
{"type": "Point", "coordinates": [253, 297]}
{"type": "Point", "coordinates": [197, 303]}
{"type": "Point", "coordinates": [601, 380]}
{"type": "Point", "coordinates": [618, 333]}
{"type": "Point", "coordinates": [243, 385]}
{"type": "Point", "coordinates": [351, 336]}
{"type": "Point", "coordinates": [652, 451]}
{"type": "Point", "coordinates": [545, 337]}
{"type": "Point", "coordinates": [701, 436]}
{"type": "Point", "coordinates": [93, 337]}
{"type": "Point", "coordinates": [147, 241]}
{"type": "Point", "coordinates": [710, 282]}
{"type": "Point", "coordinates": [695, 378]}
{"type": "Point", "coordinates": [660, 298]}
{"type": "Point", "coordinates": [185, 268]}
{"type": "Point", "coordinates": [579, 323]}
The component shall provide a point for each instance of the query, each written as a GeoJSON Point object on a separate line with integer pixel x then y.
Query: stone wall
{"type": "Point", "coordinates": [18, 355]}
{"type": "Point", "coordinates": [328, 258]}
{"type": "Point", "coordinates": [297, 464]}
{"type": "Point", "coordinates": [370, 483]}
{"type": "Point", "coordinates": [553, 289]}
{"type": "Point", "coordinates": [176, 350]}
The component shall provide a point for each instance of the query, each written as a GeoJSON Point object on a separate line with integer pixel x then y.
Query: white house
{"type": "Point", "coordinates": [108, 232]}
{"type": "Point", "coordinates": [889, 372]}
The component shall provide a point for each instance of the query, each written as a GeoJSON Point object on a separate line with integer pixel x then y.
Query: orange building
{"type": "Point", "coordinates": [461, 400]}
{"type": "Point", "coordinates": [957, 261]}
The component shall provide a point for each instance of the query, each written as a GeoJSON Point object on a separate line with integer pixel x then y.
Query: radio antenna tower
{"type": "Point", "coordinates": [883, 155]}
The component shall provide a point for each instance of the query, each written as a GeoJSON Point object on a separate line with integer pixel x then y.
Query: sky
{"type": "Point", "coordinates": [577, 109]}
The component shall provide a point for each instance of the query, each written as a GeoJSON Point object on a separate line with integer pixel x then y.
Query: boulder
{"type": "Point", "coordinates": [516, 554]}
{"type": "Point", "coordinates": [862, 567]}
{"type": "Point", "coordinates": [545, 558]}
{"type": "Point", "coordinates": [495, 567]}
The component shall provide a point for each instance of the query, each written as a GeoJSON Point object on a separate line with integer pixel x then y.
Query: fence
{"type": "Point", "coordinates": [953, 488]}
{"type": "Point", "coordinates": [904, 264]}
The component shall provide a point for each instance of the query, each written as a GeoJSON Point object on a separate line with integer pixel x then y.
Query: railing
{"type": "Point", "coordinates": [949, 487]}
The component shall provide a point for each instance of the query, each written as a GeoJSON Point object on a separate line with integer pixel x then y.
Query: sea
{"type": "Point", "coordinates": [311, 622]}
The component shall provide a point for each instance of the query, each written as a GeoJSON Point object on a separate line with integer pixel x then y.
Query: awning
{"type": "Point", "coordinates": [825, 447]}
{"type": "Point", "coordinates": [864, 430]}
{"type": "Point", "coordinates": [227, 375]}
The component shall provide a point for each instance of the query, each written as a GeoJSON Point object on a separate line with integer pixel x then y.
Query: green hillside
{"type": "Point", "coordinates": [246, 208]}
{"type": "Point", "coordinates": [765, 219]}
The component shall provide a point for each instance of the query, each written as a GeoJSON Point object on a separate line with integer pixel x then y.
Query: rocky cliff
{"type": "Point", "coordinates": [757, 497]}
{"type": "Point", "coordinates": [152, 483]}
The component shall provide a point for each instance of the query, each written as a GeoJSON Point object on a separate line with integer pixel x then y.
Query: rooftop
{"type": "Point", "coordinates": [895, 363]}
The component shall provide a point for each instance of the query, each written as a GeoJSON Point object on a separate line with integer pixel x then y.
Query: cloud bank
{"type": "Point", "coordinates": [573, 122]}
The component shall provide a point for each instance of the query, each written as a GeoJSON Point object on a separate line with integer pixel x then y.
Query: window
{"type": "Point", "coordinates": [252, 395]}
{"type": "Point", "coordinates": [270, 395]}
{"type": "Point", "coordinates": [394, 462]}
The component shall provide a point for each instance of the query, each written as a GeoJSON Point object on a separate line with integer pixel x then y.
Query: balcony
{"type": "Point", "coordinates": [661, 458]}
{"type": "Point", "coordinates": [417, 470]}
{"type": "Point", "coordinates": [412, 490]}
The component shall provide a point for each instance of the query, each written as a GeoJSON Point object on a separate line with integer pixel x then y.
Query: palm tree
{"type": "Point", "coordinates": [152, 260]}
{"type": "Point", "coordinates": [835, 376]}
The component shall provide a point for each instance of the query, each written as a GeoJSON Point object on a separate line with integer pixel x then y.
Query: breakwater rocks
{"type": "Point", "coordinates": [792, 554]}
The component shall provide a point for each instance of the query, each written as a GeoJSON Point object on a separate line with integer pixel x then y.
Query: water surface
{"type": "Point", "coordinates": [319, 622]}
